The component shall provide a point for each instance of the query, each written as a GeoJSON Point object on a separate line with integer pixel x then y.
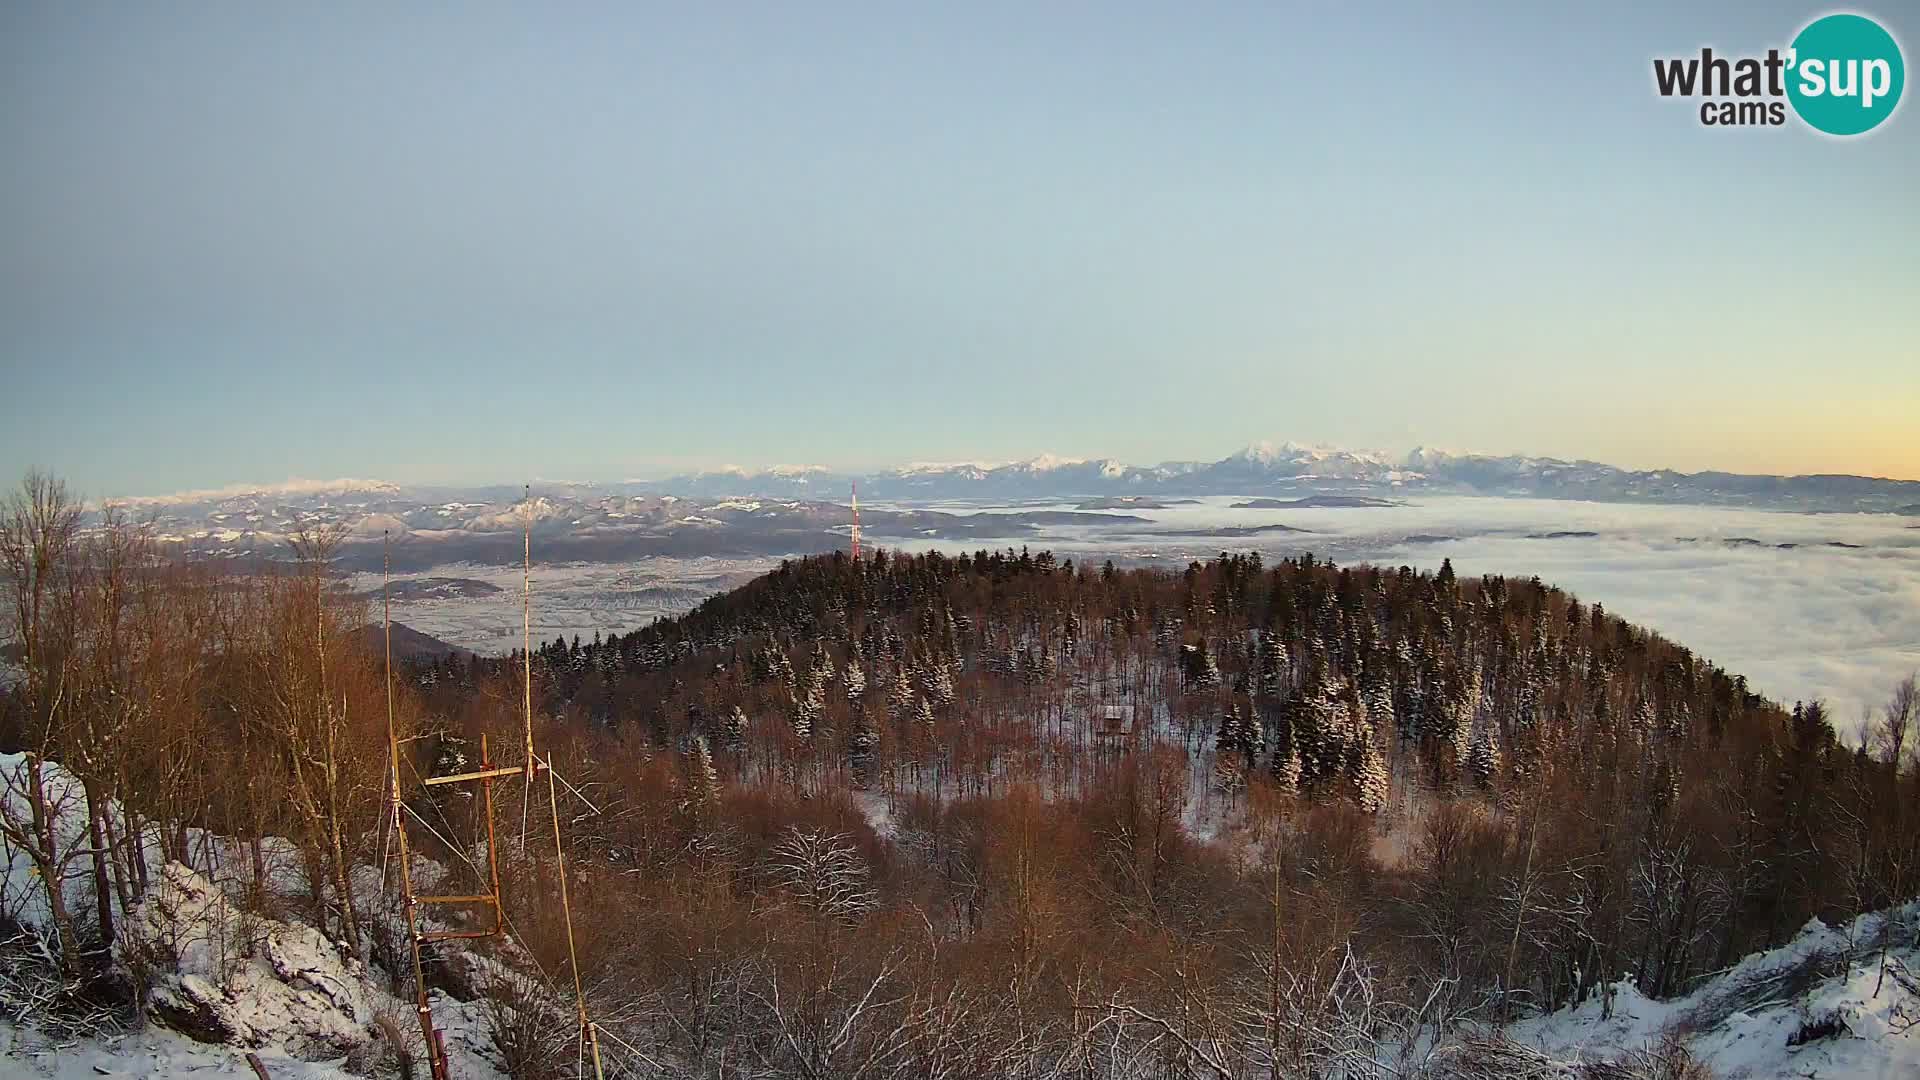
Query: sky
{"type": "Point", "coordinates": [448, 243]}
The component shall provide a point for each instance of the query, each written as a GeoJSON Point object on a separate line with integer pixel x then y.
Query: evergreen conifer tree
{"type": "Point", "coordinates": [1285, 767]}
{"type": "Point", "coordinates": [1274, 664]}
{"type": "Point", "coordinates": [1484, 759]}
{"type": "Point", "coordinates": [854, 680]}
{"type": "Point", "coordinates": [940, 686]}
{"type": "Point", "coordinates": [1367, 775]}
{"type": "Point", "coordinates": [1379, 701]}
{"type": "Point", "coordinates": [900, 698]}
{"type": "Point", "coordinates": [706, 778]}
{"type": "Point", "coordinates": [807, 711]}
{"type": "Point", "coordinates": [862, 740]}
{"type": "Point", "coordinates": [734, 730]}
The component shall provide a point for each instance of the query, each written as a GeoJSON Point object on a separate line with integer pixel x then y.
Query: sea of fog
{"type": "Point", "coordinates": [1813, 619]}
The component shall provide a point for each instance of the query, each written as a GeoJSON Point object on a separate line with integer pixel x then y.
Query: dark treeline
{"type": "Point", "coordinates": [1001, 814]}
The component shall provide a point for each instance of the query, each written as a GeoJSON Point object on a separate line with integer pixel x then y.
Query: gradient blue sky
{"type": "Point", "coordinates": [443, 243]}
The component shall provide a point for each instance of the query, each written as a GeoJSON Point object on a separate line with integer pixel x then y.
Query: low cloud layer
{"type": "Point", "coordinates": [1812, 620]}
{"type": "Point", "coordinates": [1807, 622]}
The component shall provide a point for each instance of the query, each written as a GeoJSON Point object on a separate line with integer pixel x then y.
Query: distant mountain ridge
{"type": "Point", "coordinates": [1291, 468]}
{"type": "Point", "coordinates": [1285, 470]}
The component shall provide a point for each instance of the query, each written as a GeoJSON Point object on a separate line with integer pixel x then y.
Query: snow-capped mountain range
{"type": "Point", "coordinates": [1268, 468]}
{"type": "Point", "coordinates": [1263, 469]}
{"type": "Point", "coordinates": [787, 508]}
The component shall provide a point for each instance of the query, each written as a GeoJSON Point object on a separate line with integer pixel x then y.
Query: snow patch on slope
{"type": "Point", "coordinates": [1817, 1006]}
{"type": "Point", "coordinates": [222, 978]}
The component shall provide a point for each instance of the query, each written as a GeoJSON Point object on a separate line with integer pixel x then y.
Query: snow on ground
{"type": "Point", "coordinates": [236, 981]}
{"type": "Point", "coordinates": [878, 810]}
{"type": "Point", "coordinates": [1753, 1020]}
{"type": "Point", "coordinates": [161, 1055]}
{"type": "Point", "coordinates": [1824, 1005]}
{"type": "Point", "coordinates": [23, 899]}
{"type": "Point", "coordinates": [234, 978]}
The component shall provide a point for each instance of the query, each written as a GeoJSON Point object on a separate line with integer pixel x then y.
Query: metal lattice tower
{"type": "Point", "coordinates": [589, 1032]}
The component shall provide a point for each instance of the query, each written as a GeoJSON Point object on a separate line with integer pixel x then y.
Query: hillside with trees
{"type": "Point", "coordinates": [979, 814]}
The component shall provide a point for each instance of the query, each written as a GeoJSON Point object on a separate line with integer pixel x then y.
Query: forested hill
{"type": "Point", "coordinates": [986, 815]}
{"type": "Point", "coordinates": [1643, 813]}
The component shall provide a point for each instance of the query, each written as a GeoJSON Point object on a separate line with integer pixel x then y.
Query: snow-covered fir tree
{"type": "Point", "coordinates": [1378, 696]}
{"type": "Point", "coordinates": [1643, 722]}
{"type": "Point", "coordinates": [782, 669]}
{"type": "Point", "coordinates": [1233, 739]}
{"type": "Point", "coordinates": [733, 730]}
{"type": "Point", "coordinates": [1526, 710]}
{"type": "Point", "coordinates": [854, 679]}
{"type": "Point", "coordinates": [900, 695]}
{"type": "Point", "coordinates": [821, 672]}
{"type": "Point", "coordinates": [1367, 775]}
{"type": "Point", "coordinates": [1484, 759]}
{"type": "Point", "coordinates": [1285, 766]}
{"type": "Point", "coordinates": [1677, 721]}
{"type": "Point", "coordinates": [807, 711]}
{"type": "Point", "coordinates": [1201, 670]}
{"type": "Point", "coordinates": [1412, 710]}
{"type": "Point", "coordinates": [1664, 789]}
{"type": "Point", "coordinates": [939, 683]}
{"type": "Point", "coordinates": [1323, 729]}
{"type": "Point", "coordinates": [1275, 666]}
{"type": "Point", "coordinates": [705, 777]}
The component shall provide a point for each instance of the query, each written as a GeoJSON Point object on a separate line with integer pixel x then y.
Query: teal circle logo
{"type": "Point", "coordinates": [1845, 74]}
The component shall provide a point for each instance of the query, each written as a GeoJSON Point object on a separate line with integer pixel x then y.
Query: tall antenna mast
{"type": "Point", "coordinates": [589, 1033]}
{"type": "Point", "coordinates": [856, 521]}
{"type": "Point", "coordinates": [436, 1058]}
{"type": "Point", "coordinates": [526, 651]}
{"type": "Point", "coordinates": [485, 776]}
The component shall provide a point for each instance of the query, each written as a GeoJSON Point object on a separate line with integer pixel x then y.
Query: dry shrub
{"type": "Point", "coordinates": [36, 992]}
{"type": "Point", "coordinates": [392, 1048]}
{"type": "Point", "coordinates": [1667, 1060]}
{"type": "Point", "coordinates": [533, 1034]}
{"type": "Point", "coordinates": [1496, 1057]}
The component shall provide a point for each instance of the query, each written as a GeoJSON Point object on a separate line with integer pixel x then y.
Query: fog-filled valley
{"type": "Point", "coordinates": [1390, 785]}
{"type": "Point", "coordinates": [1806, 605]}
